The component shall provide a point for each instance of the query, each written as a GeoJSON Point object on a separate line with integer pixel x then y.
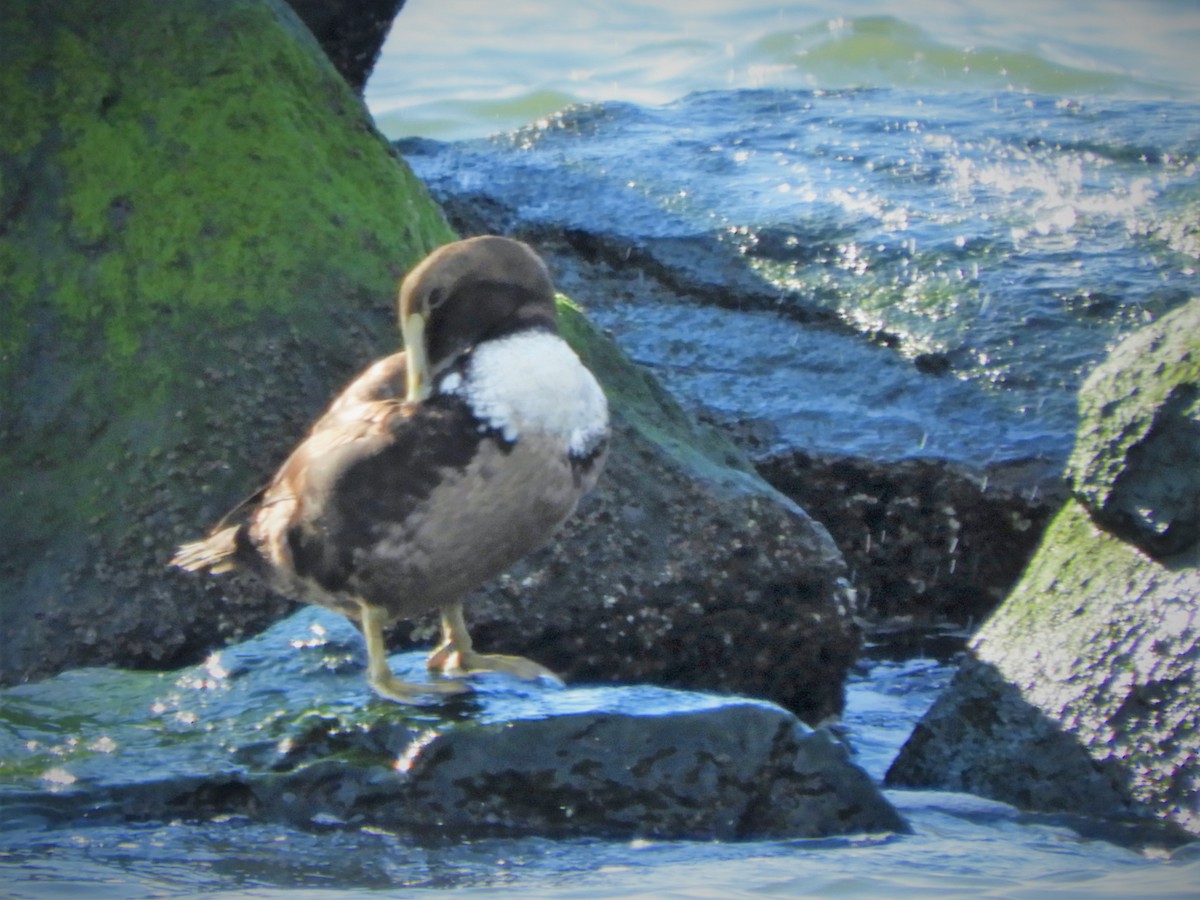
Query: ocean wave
{"type": "Point", "coordinates": [469, 78]}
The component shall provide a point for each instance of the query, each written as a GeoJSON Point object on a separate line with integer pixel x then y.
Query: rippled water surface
{"type": "Point", "coordinates": [998, 192]}
{"type": "Point", "coordinates": [1010, 238]}
{"type": "Point", "coordinates": [464, 68]}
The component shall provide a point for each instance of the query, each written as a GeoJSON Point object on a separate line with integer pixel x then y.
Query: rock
{"type": "Point", "coordinates": [190, 315]}
{"type": "Point", "coordinates": [202, 238]}
{"type": "Point", "coordinates": [1136, 464]}
{"type": "Point", "coordinates": [734, 772]}
{"type": "Point", "coordinates": [1083, 692]}
{"type": "Point", "coordinates": [282, 728]}
{"type": "Point", "coordinates": [985, 738]}
{"type": "Point", "coordinates": [927, 541]}
{"type": "Point", "coordinates": [351, 32]}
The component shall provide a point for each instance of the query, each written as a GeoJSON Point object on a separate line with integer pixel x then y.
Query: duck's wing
{"type": "Point", "coordinates": [347, 420]}
{"type": "Point", "coordinates": [365, 468]}
{"type": "Point", "coordinates": [382, 380]}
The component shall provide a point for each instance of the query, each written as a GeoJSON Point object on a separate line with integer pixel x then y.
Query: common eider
{"type": "Point", "coordinates": [437, 468]}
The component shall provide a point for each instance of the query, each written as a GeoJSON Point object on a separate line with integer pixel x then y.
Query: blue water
{"type": "Point", "coordinates": [464, 68]}
{"type": "Point", "coordinates": [1016, 237]}
{"type": "Point", "coordinates": [1008, 189]}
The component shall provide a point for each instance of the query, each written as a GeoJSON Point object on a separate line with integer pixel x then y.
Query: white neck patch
{"type": "Point", "coordinates": [533, 381]}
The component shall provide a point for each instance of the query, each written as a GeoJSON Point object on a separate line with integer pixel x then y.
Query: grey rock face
{"type": "Point", "coordinates": [1136, 465]}
{"type": "Point", "coordinates": [984, 738]}
{"type": "Point", "coordinates": [1084, 694]}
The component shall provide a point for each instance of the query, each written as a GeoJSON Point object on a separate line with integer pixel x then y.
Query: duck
{"type": "Point", "coordinates": [436, 469]}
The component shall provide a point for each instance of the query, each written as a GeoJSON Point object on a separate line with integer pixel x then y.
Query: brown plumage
{"type": "Point", "coordinates": [438, 467]}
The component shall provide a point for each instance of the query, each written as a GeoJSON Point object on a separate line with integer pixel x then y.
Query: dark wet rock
{"type": "Point", "coordinates": [1136, 465]}
{"type": "Point", "coordinates": [1083, 694]}
{"type": "Point", "coordinates": [351, 32]}
{"type": "Point", "coordinates": [282, 728]}
{"type": "Point", "coordinates": [926, 541]}
{"type": "Point", "coordinates": [188, 377]}
{"type": "Point", "coordinates": [735, 772]}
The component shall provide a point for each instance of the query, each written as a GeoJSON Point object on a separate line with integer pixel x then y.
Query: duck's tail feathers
{"type": "Point", "coordinates": [217, 553]}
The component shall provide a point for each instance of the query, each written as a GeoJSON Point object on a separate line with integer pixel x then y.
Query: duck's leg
{"type": "Point", "coordinates": [457, 654]}
{"type": "Point", "coordinates": [379, 674]}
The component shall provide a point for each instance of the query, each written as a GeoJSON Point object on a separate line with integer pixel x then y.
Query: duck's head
{"type": "Point", "coordinates": [467, 292]}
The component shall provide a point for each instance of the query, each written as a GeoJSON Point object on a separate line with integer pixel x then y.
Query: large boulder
{"type": "Point", "coordinates": [202, 237]}
{"type": "Point", "coordinates": [202, 234]}
{"type": "Point", "coordinates": [283, 728]}
{"type": "Point", "coordinates": [1082, 694]}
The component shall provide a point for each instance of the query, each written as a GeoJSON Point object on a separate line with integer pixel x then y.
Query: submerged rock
{"type": "Point", "coordinates": [1083, 694]}
{"type": "Point", "coordinates": [282, 728]}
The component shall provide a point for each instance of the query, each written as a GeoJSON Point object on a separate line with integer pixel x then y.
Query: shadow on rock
{"type": "Point", "coordinates": [983, 737]}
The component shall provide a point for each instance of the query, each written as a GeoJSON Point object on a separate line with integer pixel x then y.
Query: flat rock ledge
{"type": "Point", "coordinates": [283, 728]}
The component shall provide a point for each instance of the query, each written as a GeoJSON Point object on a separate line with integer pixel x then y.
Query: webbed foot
{"type": "Point", "coordinates": [450, 660]}
{"type": "Point", "coordinates": [379, 674]}
{"type": "Point", "coordinates": [391, 687]}
{"type": "Point", "coordinates": [457, 656]}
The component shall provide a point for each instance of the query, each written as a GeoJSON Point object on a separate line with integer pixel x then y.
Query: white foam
{"type": "Point", "coordinates": [534, 381]}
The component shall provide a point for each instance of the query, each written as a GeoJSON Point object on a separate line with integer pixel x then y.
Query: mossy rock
{"type": "Point", "coordinates": [202, 236]}
{"type": "Point", "coordinates": [1083, 695]}
{"type": "Point", "coordinates": [1136, 463]}
{"type": "Point", "coordinates": [197, 219]}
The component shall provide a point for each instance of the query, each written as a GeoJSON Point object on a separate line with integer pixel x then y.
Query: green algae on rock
{"type": "Point", "coordinates": [198, 219]}
{"type": "Point", "coordinates": [1083, 694]}
{"type": "Point", "coordinates": [1136, 463]}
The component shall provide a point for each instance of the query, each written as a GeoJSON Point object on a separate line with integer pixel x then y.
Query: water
{"type": "Point", "coordinates": [462, 68]}
{"type": "Point", "coordinates": [999, 191]}
{"type": "Point", "coordinates": [1014, 238]}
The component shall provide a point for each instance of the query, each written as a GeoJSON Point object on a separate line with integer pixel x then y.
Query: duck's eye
{"type": "Point", "coordinates": [436, 297]}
